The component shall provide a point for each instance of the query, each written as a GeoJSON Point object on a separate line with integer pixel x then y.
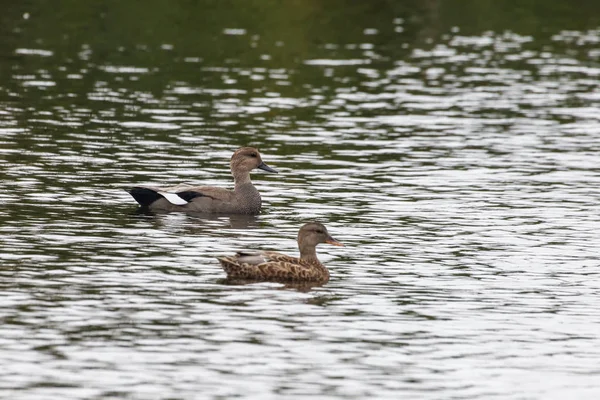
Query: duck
{"type": "Point", "coordinates": [243, 199]}
{"type": "Point", "coordinates": [276, 267]}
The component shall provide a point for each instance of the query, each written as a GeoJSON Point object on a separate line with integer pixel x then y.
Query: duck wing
{"type": "Point", "coordinates": [214, 193]}
{"type": "Point", "coordinates": [274, 256]}
{"type": "Point", "coordinates": [249, 257]}
{"type": "Point", "coordinates": [178, 195]}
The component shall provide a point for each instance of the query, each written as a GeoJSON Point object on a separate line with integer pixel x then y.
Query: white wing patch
{"type": "Point", "coordinates": [250, 257]}
{"type": "Point", "coordinates": [173, 198]}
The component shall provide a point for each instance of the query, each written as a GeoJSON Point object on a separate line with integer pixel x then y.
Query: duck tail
{"type": "Point", "coordinates": [229, 265]}
{"type": "Point", "coordinates": [144, 196]}
{"type": "Point", "coordinates": [224, 261]}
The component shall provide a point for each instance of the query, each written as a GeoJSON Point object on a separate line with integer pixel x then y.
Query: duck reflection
{"type": "Point", "coordinates": [303, 287]}
{"type": "Point", "coordinates": [196, 222]}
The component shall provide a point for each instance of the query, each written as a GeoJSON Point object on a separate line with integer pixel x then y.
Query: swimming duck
{"type": "Point", "coordinates": [243, 199]}
{"type": "Point", "coordinates": [277, 267]}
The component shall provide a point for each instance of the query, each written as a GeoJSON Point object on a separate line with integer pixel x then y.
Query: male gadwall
{"type": "Point", "coordinates": [243, 199]}
{"type": "Point", "coordinates": [277, 267]}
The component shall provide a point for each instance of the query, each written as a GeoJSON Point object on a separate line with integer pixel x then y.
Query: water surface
{"type": "Point", "coordinates": [453, 149]}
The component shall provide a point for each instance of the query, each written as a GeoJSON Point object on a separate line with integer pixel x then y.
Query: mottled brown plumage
{"type": "Point", "coordinates": [277, 267]}
{"type": "Point", "coordinates": [243, 199]}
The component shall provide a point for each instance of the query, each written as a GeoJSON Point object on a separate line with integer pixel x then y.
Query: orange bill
{"type": "Point", "coordinates": [333, 242]}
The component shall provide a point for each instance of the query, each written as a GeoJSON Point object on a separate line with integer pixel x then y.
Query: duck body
{"type": "Point", "coordinates": [273, 266]}
{"type": "Point", "coordinates": [277, 267]}
{"type": "Point", "coordinates": [243, 199]}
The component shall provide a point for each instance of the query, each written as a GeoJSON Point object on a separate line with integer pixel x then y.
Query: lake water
{"type": "Point", "coordinates": [453, 147]}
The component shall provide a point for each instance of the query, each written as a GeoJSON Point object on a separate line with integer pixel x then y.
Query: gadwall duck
{"type": "Point", "coordinates": [277, 267]}
{"type": "Point", "coordinates": [243, 199]}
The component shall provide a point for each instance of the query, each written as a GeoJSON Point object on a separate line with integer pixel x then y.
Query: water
{"type": "Point", "coordinates": [454, 150]}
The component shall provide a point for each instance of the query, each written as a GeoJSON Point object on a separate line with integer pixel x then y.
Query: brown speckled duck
{"type": "Point", "coordinates": [243, 199]}
{"type": "Point", "coordinates": [277, 267]}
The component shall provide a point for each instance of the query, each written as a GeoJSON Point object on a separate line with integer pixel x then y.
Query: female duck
{"type": "Point", "coordinates": [277, 267]}
{"type": "Point", "coordinates": [243, 199]}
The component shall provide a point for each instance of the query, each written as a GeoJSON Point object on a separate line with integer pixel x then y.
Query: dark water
{"type": "Point", "coordinates": [452, 146]}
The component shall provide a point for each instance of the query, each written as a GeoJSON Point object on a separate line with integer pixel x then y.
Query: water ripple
{"type": "Point", "coordinates": [461, 174]}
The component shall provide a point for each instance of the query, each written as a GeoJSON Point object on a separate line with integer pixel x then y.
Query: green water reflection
{"type": "Point", "coordinates": [170, 42]}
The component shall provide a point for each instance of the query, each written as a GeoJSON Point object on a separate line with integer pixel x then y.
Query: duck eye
{"type": "Point", "coordinates": [253, 155]}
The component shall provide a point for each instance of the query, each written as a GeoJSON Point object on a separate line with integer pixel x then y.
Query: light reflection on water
{"type": "Point", "coordinates": [462, 179]}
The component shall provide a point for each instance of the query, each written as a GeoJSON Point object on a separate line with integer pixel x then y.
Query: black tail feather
{"type": "Point", "coordinates": [144, 196]}
{"type": "Point", "coordinates": [189, 195]}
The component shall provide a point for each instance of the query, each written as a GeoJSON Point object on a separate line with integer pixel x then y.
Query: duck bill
{"type": "Point", "coordinates": [333, 242]}
{"type": "Point", "coordinates": [265, 167]}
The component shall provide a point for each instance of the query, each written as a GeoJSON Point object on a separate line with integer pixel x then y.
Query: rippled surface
{"type": "Point", "coordinates": [458, 163]}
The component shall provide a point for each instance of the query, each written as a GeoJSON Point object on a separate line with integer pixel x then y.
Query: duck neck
{"type": "Point", "coordinates": [241, 178]}
{"type": "Point", "coordinates": [308, 253]}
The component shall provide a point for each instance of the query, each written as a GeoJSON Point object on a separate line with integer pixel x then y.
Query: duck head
{"type": "Point", "coordinates": [246, 159]}
{"type": "Point", "coordinates": [314, 233]}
